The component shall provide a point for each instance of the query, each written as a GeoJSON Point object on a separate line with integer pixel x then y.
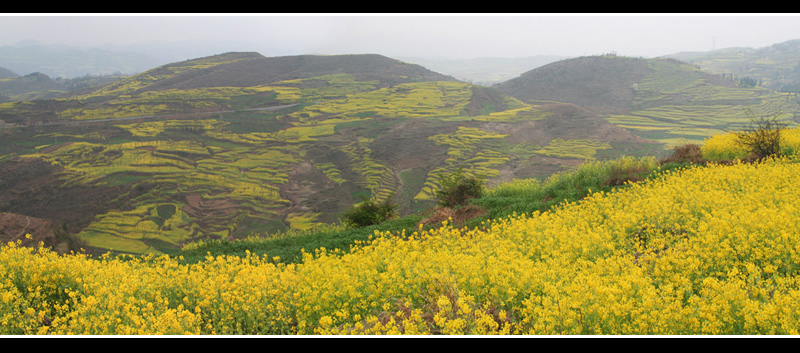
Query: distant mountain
{"type": "Point", "coordinates": [776, 67]}
{"type": "Point", "coordinates": [6, 73]}
{"type": "Point", "coordinates": [70, 62]}
{"type": "Point", "coordinates": [29, 87]}
{"type": "Point", "coordinates": [37, 86]}
{"type": "Point", "coordinates": [484, 71]}
{"type": "Point", "coordinates": [240, 70]}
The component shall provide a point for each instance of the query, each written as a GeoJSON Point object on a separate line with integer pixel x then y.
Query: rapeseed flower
{"type": "Point", "coordinates": [703, 250]}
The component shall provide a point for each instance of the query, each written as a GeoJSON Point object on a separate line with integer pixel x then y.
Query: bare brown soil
{"type": "Point", "coordinates": [15, 227]}
{"type": "Point", "coordinates": [31, 189]}
{"type": "Point", "coordinates": [454, 216]}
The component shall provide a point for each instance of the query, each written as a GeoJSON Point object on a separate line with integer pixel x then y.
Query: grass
{"type": "Point", "coordinates": [289, 246]}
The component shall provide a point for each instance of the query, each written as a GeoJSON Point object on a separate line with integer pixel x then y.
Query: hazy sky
{"type": "Point", "coordinates": [420, 35]}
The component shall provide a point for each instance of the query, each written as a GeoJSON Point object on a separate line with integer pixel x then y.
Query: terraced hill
{"type": "Point", "coordinates": [663, 100]}
{"type": "Point", "coordinates": [235, 144]}
{"type": "Point", "coordinates": [776, 67]}
{"type": "Point", "coordinates": [238, 144]}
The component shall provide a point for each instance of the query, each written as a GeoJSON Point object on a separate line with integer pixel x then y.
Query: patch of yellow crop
{"type": "Point", "coordinates": [411, 100]}
{"type": "Point", "coordinates": [479, 152]}
{"type": "Point", "coordinates": [295, 134]}
{"type": "Point", "coordinates": [240, 180]}
{"type": "Point", "coordinates": [303, 221]}
{"type": "Point", "coordinates": [703, 251]}
{"type": "Point", "coordinates": [374, 175]}
{"type": "Point", "coordinates": [154, 128]}
{"type": "Point", "coordinates": [115, 111]}
{"type": "Point", "coordinates": [726, 146]}
{"type": "Point", "coordinates": [128, 231]}
{"type": "Point", "coordinates": [573, 148]}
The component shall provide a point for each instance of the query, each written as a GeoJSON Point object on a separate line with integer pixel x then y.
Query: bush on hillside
{"type": "Point", "coordinates": [369, 213]}
{"type": "Point", "coordinates": [685, 154]}
{"type": "Point", "coordinates": [763, 137]}
{"type": "Point", "coordinates": [457, 188]}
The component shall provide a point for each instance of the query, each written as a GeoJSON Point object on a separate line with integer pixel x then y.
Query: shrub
{"type": "Point", "coordinates": [369, 213]}
{"type": "Point", "coordinates": [685, 154]}
{"type": "Point", "coordinates": [457, 188]}
{"type": "Point", "coordinates": [763, 137]}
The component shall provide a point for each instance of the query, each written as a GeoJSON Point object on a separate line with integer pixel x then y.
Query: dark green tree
{"type": "Point", "coordinates": [369, 212]}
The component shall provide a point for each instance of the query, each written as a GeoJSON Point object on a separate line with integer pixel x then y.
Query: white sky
{"type": "Point", "coordinates": [417, 35]}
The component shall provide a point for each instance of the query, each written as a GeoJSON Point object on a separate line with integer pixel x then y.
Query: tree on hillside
{"type": "Point", "coordinates": [369, 212]}
{"type": "Point", "coordinates": [458, 187]}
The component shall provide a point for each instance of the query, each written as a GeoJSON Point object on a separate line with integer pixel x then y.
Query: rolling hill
{"type": "Point", "coordinates": [660, 99]}
{"type": "Point", "coordinates": [235, 144]}
{"type": "Point", "coordinates": [775, 67]}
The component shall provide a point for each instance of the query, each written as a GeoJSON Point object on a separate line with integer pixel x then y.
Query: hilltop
{"type": "Point", "coordinates": [600, 82]}
{"type": "Point", "coordinates": [253, 69]}
{"type": "Point", "coordinates": [608, 84]}
{"type": "Point", "coordinates": [229, 70]}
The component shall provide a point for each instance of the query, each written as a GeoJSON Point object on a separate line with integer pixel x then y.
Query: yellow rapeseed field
{"type": "Point", "coordinates": [702, 251]}
{"type": "Point", "coordinates": [727, 147]}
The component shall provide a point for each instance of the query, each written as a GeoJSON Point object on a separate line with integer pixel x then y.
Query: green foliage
{"type": "Point", "coordinates": [369, 213]}
{"type": "Point", "coordinates": [533, 195]}
{"type": "Point", "coordinates": [289, 246]}
{"type": "Point", "coordinates": [457, 188]}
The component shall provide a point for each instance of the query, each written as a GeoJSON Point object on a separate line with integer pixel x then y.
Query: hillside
{"type": "Point", "coordinates": [217, 83]}
{"type": "Point", "coordinates": [239, 185]}
{"type": "Point", "coordinates": [704, 249]}
{"type": "Point", "coordinates": [29, 87]}
{"type": "Point", "coordinates": [601, 82]}
{"type": "Point", "coordinates": [238, 144]}
{"type": "Point", "coordinates": [663, 100]}
{"type": "Point", "coordinates": [775, 67]}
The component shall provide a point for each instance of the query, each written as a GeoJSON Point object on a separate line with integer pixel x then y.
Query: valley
{"type": "Point", "coordinates": [239, 144]}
